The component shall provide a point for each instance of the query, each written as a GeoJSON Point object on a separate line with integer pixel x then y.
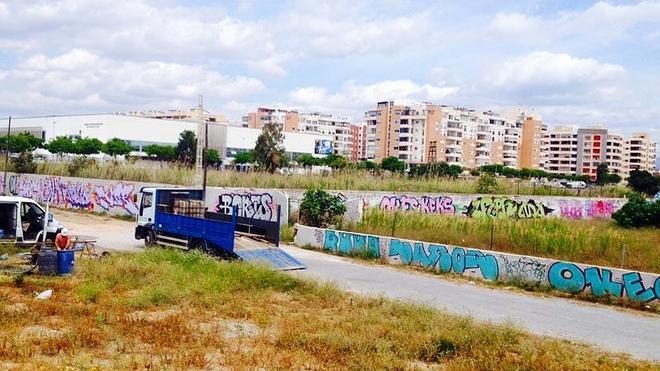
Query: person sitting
{"type": "Point", "coordinates": [63, 240]}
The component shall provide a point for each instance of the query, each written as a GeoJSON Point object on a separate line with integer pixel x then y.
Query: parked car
{"type": "Point", "coordinates": [22, 221]}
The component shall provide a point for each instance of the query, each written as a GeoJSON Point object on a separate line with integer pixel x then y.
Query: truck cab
{"type": "Point", "coordinates": [22, 221]}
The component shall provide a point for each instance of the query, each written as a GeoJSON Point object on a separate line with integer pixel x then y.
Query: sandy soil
{"type": "Point", "coordinates": [112, 234]}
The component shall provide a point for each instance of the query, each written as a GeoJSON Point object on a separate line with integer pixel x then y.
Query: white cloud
{"type": "Point", "coordinates": [136, 30]}
{"type": "Point", "coordinates": [558, 76]}
{"type": "Point", "coordinates": [602, 23]}
{"type": "Point", "coordinates": [352, 97]}
{"type": "Point", "coordinates": [79, 80]}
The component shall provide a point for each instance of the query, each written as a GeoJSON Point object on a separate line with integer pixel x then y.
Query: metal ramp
{"type": "Point", "coordinates": [273, 257]}
{"type": "Point", "coordinates": [255, 250]}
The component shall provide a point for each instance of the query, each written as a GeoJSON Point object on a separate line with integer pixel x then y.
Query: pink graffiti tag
{"type": "Point", "coordinates": [600, 209]}
{"type": "Point", "coordinates": [425, 204]}
{"type": "Point", "coordinates": [116, 195]}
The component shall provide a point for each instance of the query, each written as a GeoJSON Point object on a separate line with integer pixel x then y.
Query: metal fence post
{"type": "Point", "coordinates": [623, 256]}
{"type": "Point", "coordinates": [394, 223]}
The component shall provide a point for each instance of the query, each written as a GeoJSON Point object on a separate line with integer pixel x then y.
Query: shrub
{"type": "Point", "coordinates": [24, 163]}
{"type": "Point", "coordinates": [644, 182]}
{"type": "Point", "coordinates": [320, 209]}
{"type": "Point", "coordinates": [79, 164]}
{"type": "Point", "coordinates": [487, 184]}
{"type": "Point", "coordinates": [638, 213]}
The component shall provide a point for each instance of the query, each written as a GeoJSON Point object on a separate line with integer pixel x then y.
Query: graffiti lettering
{"type": "Point", "coordinates": [249, 205]}
{"type": "Point", "coordinates": [524, 268]}
{"type": "Point", "coordinates": [568, 277]}
{"type": "Point", "coordinates": [424, 204]}
{"type": "Point", "coordinates": [348, 243]}
{"type": "Point", "coordinates": [600, 209]}
{"type": "Point", "coordinates": [116, 195]}
{"type": "Point", "coordinates": [503, 207]}
{"type": "Point", "coordinates": [437, 256]}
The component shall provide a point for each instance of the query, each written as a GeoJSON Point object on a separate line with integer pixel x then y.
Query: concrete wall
{"type": "Point", "coordinates": [491, 265]}
{"type": "Point", "coordinates": [116, 197]}
{"type": "Point", "coordinates": [523, 207]}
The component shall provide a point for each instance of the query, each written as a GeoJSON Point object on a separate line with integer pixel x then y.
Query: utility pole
{"type": "Point", "coordinates": [205, 158]}
{"type": "Point", "coordinates": [199, 158]}
{"type": "Point", "coordinates": [4, 179]}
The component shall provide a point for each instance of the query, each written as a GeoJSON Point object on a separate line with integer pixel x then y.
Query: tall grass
{"type": "Point", "coordinates": [359, 180]}
{"type": "Point", "coordinates": [598, 242]}
{"type": "Point", "coordinates": [167, 309]}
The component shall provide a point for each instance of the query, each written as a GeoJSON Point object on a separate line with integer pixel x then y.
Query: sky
{"type": "Point", "coordinates": [575, 62]}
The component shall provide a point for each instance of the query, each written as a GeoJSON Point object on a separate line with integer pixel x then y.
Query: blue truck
{"type": "Point", "coordinates": [178, 217]}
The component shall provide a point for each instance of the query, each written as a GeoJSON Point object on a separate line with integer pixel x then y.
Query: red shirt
{"type": "Point", "coordinates": [62, 242]}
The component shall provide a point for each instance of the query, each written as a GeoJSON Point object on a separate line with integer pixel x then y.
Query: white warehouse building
{"type": "Point", "coordinates": [142, 131]}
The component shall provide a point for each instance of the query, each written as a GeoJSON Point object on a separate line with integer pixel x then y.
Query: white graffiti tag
{"type": "Point", "coordinates": [116, 195]}
{"type": "Point", "coordinates": [249, 205]}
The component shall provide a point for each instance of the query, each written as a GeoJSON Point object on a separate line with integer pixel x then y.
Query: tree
{"type": "Point", "coordinates": [269, 150]}
{"type": "Point", "coordinates": [61, 145]}
{"type": "Point", "coordinates": [335, 161]}
{"type": "Point", "coordinates": [87, 146]}
{"type": "Point", "coordinates": [367, 165]}
{"type": "Point", "coordinates": [308, 160]}
{"type": "Point", "coordinates": [212, 157]}
{"type": "Point", "coordinates": [642, 181]}
{"type": "Point", "coordinates": [116, 146]}
{"type": "Point", "coordinates": [20, 142]}
{"type": "Point", "coordinates": [638, 212]}
{"type": "Point", "coordinates": [320, 209]}
{"type": "Point", "coordinates": [161, 152]}
{"type": "Point", "coordinates": [245, 157]}
{"type": "Point", "coordinates": [186, 148]}
{"type": "Point", "coordinates": [603, 175]}
{"type": "Point", "coordinates": [393, 164]}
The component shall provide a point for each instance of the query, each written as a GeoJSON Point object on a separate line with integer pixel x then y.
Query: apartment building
{"type": "Point", "coordinates": [530, 155]}
{"type": "Point", "coordinates": [286, 120]}
{"type": "Point", "coordinates": [615, 154]}
{"type": "Point", "coordinates": [396, 130]}
{"type": "Point", "coordinates": [345, 134]}
{"type": "Point", "coordinates": [640, 153]}
{"type": "Point", "coordinates": [560, 150]}
{"type": "Point", "coordinates": [573, 151]}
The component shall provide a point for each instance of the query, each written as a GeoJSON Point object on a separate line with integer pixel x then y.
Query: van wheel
{"type": "Point", "coordinates": [150, 239]}
{"type": "Point", "coordinates": [202, 246]}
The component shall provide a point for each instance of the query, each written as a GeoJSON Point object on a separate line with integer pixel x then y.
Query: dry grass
{"type": "Point", "coordinates": [168, 309]}
{"type": "Point", "coordinates": [598, 242]}
{"type": "Point", "coordinates": [344, 180]}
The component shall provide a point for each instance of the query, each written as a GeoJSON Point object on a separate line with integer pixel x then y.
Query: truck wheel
{"type": "Point", "coordinates": [150, 239]}
{"type": "Point", "coordinates": [202, 246]}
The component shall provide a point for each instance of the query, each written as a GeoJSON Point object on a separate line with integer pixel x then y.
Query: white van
{"type": "Point", "coordinates": [22, 221]}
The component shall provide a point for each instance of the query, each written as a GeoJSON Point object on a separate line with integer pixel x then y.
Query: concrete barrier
{"type": "Point", "coordinates": [115, 197]}
{"type": "Point", "coordinates": [569, 277]}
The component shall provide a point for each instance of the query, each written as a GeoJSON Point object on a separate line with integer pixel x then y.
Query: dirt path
{"type": "Point", "coordinates": [112, 234]}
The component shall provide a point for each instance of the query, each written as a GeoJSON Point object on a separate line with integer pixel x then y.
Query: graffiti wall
{"type": "Point", "coordinates": [498, 206]}
{"type": "Point", "coordinates": [116, 197]}
{"type": "Point", "coordinates": [250, 203]}
{"type": "Point", "coordinates": [490, 265]}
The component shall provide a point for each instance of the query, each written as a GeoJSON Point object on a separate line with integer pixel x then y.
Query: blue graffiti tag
{"type": "Point", "coordinates": [347, 243]}
{"type": "Point", "coordinates": [437, 255]}
{"type": "Point", "coordinates": [568, 277]}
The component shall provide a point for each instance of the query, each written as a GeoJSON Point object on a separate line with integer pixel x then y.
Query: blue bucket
{"type": "Point", "coordinates": [65, 262]}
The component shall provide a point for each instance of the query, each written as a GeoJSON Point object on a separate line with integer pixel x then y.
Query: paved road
{"type": "Point", "coordinates": [607, 327]}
